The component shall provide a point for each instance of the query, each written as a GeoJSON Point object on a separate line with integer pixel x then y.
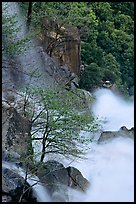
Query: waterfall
{"type": "Point", "coordinates": [110, 166]}
{"type": "Point", "coordinates": [27, 63]}
{"type": "Point", "coordinates": [110, 170]}
{"type": "Point", "coordinates": [113, 110]}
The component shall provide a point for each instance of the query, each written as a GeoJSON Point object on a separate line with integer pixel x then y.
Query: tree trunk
{"type": "Point", "coordinates": [29, 16]}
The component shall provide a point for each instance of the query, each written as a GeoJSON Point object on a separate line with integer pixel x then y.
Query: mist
{"type": "Point", "coordinates": [113, 110]}
{"type": "Point", "coordinates": [109, 166]}
{"type": "Point", "coordinates": [110, 170]}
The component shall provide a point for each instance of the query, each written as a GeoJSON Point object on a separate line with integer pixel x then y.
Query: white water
{"type": "Point", "coordinates": [110, 170]}
{"type": "Point", "coordinates": [109, 167]}
{"type": "Point", "coordinates": [38, 189]}
{"type": "Point", "coordinates": [113, 109]}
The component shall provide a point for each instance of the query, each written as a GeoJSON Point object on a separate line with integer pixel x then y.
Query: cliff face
{"type": "Point", "coordinates": [15, 132]}
{"type": "Point", "coordinates": [35, 67]}
{"type": "Point", "coordinates": [37, 64]}
{"type": "Point", "coordinates": [62, 42]}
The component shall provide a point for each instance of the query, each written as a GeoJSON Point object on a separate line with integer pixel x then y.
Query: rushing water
{"type": "Point", "coordinates": [113, 109]}
{"type": "Point", "coordinates": [109, 167]}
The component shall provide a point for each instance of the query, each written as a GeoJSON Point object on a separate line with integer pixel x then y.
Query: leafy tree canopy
{"type": "Point", "coordinates": [106, 29]}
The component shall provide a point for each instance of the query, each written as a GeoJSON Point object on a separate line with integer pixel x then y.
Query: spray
{"type": "Point", "coordinates": [109, 166]}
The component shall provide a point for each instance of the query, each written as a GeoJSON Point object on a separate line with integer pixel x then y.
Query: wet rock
{"type": "Point", "coordinates": [122, 132]}
{"type": "Point", "coordinates": [76, 179]}
{"type": "Point", "coordinates": [6, 198]}
{"type": "Point", "coordinates": [15, 188]}
{"type": "Point", "coordinates": [55, 178]}
{"type": "Point", "coordinates": [10, 157]}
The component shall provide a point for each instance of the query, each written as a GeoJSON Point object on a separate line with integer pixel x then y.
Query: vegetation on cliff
{"type": "Point", "coordinates": [107, 38]}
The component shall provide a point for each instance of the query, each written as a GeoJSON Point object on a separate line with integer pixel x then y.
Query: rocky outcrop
{"type": "Point", "coordinates": [53, 175]}
{"type": "Point", "coordinates": [15, 188]}
{"type": "Point", "coordinates": [62, 42]}
{"type": "Point", "coordinates": [76, 179]}
{"type": "Point", "coordinates": [51, 73]}
{"type": "Point", "coordinates": [107, 84]}
{"type": "Point", "coordinates": [57, 179]}
{"type": "Point", "coordinates": [122, 132]}
{"type": "Point", "coordinates": [16, 137]}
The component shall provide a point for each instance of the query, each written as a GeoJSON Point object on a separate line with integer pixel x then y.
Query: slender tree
{"type": "Point", "coordinates": [29, 16]}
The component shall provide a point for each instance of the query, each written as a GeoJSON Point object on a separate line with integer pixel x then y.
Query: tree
{"type": "Point", "coordinates": [91, 77]}
{"type": "Point", "coordinates": [29, 16]}
{"type": "Point", "coordinates": [110, 68]}
{"type": "Point", "coordinates": [114, 39]}
{"type": "Point", "coordinates": [57, 117]}
{"type": "Point", "coordinates": [14, 41]}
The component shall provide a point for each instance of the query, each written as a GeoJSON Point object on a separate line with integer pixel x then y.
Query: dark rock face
{"type": "Point", "coordinates": [48, 72]}
{"type": "Point", "coordinates": [6, 198]}
{"type": "Point", "coordinates": [59, 73]}
{"type": "Point", "coordinates": [10, 157]}
{"type": "Point", "coordinates": [76, 179]}
{"type": "Point", "coordinates": [15, 188]}
{"type": "Point", "coordinates": [52, 174]}
{"type": "Point", "coordinates": [122, 132]}
{"type": "Point", "coordinates": [16, 137]}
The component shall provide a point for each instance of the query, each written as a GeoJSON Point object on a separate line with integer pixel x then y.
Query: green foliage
{"type": "Point", "coordinates": [91, 77]}
{"type": "Point", "coordinates": [106, 30]}
{"type": "Point", "coordinates": [113, 49]}
{"type": "Point", "coordinates": [110, 68]}
{"type": "Point", "coordinates": [57, 117]}
{"type": "Point", "coordinates": [14, 41]}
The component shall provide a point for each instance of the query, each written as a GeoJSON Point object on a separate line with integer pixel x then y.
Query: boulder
{"type": "Point", "coordinates": [122, 132]}
{"type": "Point", "coordinates": [6, 198]}
{"type": "Point", "coordinates": [53, 175]}
{"type": "Point", "coordinates": [15, 188]}
{"type": "Point", "coordinates": [55, 178]}
{"type": "Point", "coordinates": [76, 179]}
